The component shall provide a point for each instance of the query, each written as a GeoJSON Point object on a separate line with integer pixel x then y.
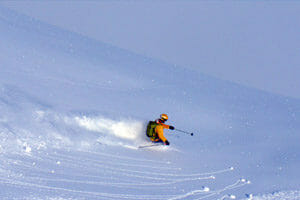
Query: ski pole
{"type": "Point", "coordinates": [184, 132]}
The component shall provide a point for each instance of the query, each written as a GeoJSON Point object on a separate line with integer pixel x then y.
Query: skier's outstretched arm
{"type": "Point", "coordinates": [168, 126]}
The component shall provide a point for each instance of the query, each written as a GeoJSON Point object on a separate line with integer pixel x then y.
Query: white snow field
{"type": "Point", "coordinates": [73, 113]}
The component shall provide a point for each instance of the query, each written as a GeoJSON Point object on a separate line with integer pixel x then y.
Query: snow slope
{"type": "Point", "coordinates": [73, 112]}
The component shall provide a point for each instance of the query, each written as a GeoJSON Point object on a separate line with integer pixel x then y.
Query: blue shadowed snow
{"type": "Point", "coordinates": [74, 110]}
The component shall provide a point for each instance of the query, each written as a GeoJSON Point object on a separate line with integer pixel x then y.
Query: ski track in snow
{"type": "Point", "coordinates": [49, 172]}
{"type": "Point", "coordinates": [283, 195]}
{"type": "Point", "coordinates": [85, 173]}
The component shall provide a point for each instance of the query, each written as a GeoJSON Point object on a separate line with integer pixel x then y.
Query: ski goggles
{"type": "Point", "coordinates": [163, 120]}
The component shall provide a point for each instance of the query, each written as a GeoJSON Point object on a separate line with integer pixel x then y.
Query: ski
{"type": "Point", "coordinates": [151, 145]}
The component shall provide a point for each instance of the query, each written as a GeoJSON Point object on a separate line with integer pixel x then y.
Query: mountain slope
{"type": "Point", "coordinates": [73, 112]}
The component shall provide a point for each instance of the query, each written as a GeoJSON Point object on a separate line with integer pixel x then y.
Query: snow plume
{"type": "Point", "coordinates": [64, 130]}
{"type": "Point", "coordinates": [124, 129]}
{"type": "Point", "coordinates": [27, 126]}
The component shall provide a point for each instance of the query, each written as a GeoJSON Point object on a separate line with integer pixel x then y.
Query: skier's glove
{"type": "Point", "coordinates": [167, 142]}
{"type": "Point", "coordinates": [171, 127]}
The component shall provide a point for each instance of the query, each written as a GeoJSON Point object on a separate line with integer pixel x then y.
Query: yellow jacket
{"type": "Point", "coordinates": [159, 130]}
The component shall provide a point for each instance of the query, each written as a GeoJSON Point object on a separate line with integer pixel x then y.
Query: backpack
{"type": "Point", "coordinates": [151, 129]}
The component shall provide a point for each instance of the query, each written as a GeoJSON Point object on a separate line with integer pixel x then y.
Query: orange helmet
{"type": "Point", "coordinates": [164, 117]}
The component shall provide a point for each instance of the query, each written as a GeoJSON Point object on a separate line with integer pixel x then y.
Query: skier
{"type": "Point", "coordinates": [155, 129]}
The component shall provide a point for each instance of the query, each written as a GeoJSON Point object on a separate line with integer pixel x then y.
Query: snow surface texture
{"type": "Point", "coordinates": [73, 113]}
